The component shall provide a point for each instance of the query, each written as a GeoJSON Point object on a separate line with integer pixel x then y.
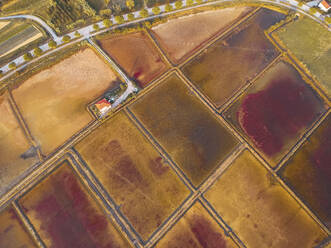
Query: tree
{"type": "Point", "coordinates": [130, 4]}
{"type": "Point", "coordinates": [130, 17]}
{"type": "Point", "coordinates": [27, 56]}
{"type": "Point", "coordinates": [199, 1]}
{"type": "Point", "coordinates": [66, 38]}
{"type": "Point", "coordinates": [168, 7]}
{"type": "Point", "coordinates": [1, 73]}
{"type": "Point", "coordinates": [144, 13]}
{"type": "Point", "coordinates": [12, 65]}
{"type": "Point", "coordinates": [52, 44]}
{"type": "Point", "coordinates": [119, 19]}
{"type": "Point", "coordinates": [178, 4]}
{"type": "Point", "coordinates": [312, 10]}
{"type": "Point", "coordinates": [189, 2]}
{"type": "Point", "coordinates": [96, 27]}
{"type": "Point", "coordinates": [148, 25]}
{"type": "Point", "coordinates": [37, 51]}
{"type": "Point", "coordinates": [107, 23]}
{"type": "Point", "coordinates": [300, 4]}
{"type": "Point", "coordinates": [156, 10]}
{"type": "Point", "coordinates": [77, 34]}
{"type": "Point", "coordinates": [105, 13]}
{"type": "Point", "coordinates": [327, 19]}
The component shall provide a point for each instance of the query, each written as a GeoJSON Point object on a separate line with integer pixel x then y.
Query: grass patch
{"type": "Point", "coordinates": [310, 42]}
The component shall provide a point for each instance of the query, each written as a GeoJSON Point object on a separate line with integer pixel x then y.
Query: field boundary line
{"type": "Point", "coordinates": [99, 194]}
{"type": "Point", "coordinates": [219, 36]}
{"type": "Point", "coordinates": [303, 139]}
{"type": "Point", "coordinates": [23, 125]}
{"type": "Point", "coordinates": [28, 225]}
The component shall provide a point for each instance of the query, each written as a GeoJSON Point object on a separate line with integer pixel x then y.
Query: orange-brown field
{"type": "Point", "coordinates": [53, 102]}
{"type": "Point", "coordinates": [196, 229]}
{"type": "Point", "coordinates": [12, 231]}
{"type": "Point", "coordinates": [13, 144]}
{"type": "Point", "coordinates": [136, 54]}
{"type": "Point", "coordinates": [226, 66]}
{"type": "Point", "coordinates": [259, 210]}
{"type": "Point", "coordinates": [194, 138]}
{"type": "Point", "coordinates": [66, 216]}
{"type": "Point", "coordinates": [133, 173]}
{"type": "Point", "coordinates": [181, 36]}
{"type": "Point", "coordinates": [308, 172]}
{"type": "Point", "coordinates": [276, 111]}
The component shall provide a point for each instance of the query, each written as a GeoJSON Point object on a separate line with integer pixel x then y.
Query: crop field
{"type": "Point", "coordinates": [219, 72]}
{"type": "Point", "coordinates": [12, 230]}
{"type": "Point", "coordinates": [20, 39]}
{"type": "Point", "coordinates": [196, 229]}
{"type": "Point", "coordinates": [65, 215]}
{"type": "Point", "coordinates": [308, 172]}
{"type": "Point", "coordinates": [194, 138]}
{"type": "Point", "coordinates": [13, 144]}
{"type": "Point", "coordinates": [133, 173]}
{"type": "Point", "coordinates": [259, 210]}
{"type": "Point", "coordinates": [182, 36]}
{"type": "Point", "coordinates": [136, 54]}
{"type": "Point", "coordinates": [57, 13]}
{"type": "Point", "coordinates": [276, 111]}
{"type": "Point", "coordinates": [313, 50]}
{"type": "Point", "coordinates": [53, 102]}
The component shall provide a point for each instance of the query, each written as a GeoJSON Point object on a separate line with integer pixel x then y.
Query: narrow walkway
{"type": "Point", "coordinates": [131, 88]}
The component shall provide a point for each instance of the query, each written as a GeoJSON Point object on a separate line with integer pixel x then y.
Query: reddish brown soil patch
{"type": "Point", "coordinates": [66, 215]}
{"type": "Point", "coordinates": [137, 55]}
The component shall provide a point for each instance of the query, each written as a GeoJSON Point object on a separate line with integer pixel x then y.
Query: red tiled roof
{"type": "Point", "coordinates": [325, 4]}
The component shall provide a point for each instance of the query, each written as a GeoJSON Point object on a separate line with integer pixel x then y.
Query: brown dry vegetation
{"type": "Point", "coordinates": [222, 69]}
{"type": "Point", "coordinates": [180, 37]}
{"type": "Point", "coordinates": [133, 173]}
{"type": "Point", "coordinates": [276, 111]}
{"type": "Point", "coordinates": [189, 132]}
{"type": "Point", "coordinates": [196, 229]}
{"type": "Point", "coordinates": [66, 216]}
{"type": "Point", "coordinates": [13, 144]}
{"type": "Point", "coordinates": [309, 171]}
{"type": "Point", "coordinates": [12, 231]}
{"type": "Point", "coordinates": [136, 54]}
{"type": "Point", "coordinates": [53, 102]}
{"type": "Point", "coordinates": [259, 210]}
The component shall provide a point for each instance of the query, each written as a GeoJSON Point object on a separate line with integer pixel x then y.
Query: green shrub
{"type": "Point", "coordinates": [168, 7]}
{"type": "Point", "coordinates": [300, 4]}
{"type": "Point", "coordinates": [77, 34]}
{"type": "Point", "coordinates": [144, 13]}
{"type": "Point", "coordinates": [312, 10]}
{"type": "Point", "coordinates": [12, 65]}
{"type": "Point", "coordinates": [96, 27]}
{"type": "Point", "coordinates": [189, 2]}
{"type": "Point", "coordinates": [66, 38]}
{"type": "Point", "coordinates": [327, 19]}
{"type": "Point", "coordinates": [178, 4]}
{"type": "Point", "coordinates": [199, 1]}
{"type": "Point", "coordinates": [107, 23]}
{"type": "Point", "coordinates": [156, 10]}
{"type": "Point", "coordinates": [27, 57]}
{"type": "Point", "coordinates": [37, 51]}
{"type": "Point", "coordinates": [52, 44]}
{"type": "Point", "coordinates": [119, 19]}
{"type": "Point", "coordinates": [130, 17]}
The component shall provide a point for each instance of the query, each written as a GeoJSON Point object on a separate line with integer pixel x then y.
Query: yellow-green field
{"type": "Point", "coordinates": [310, 42]}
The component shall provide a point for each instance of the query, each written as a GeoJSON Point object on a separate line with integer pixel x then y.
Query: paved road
{"type": "Point", "coordinates": [37, 20]}
{"type": "Point", "coordinates": [131, 88]}
{"type": "Point", "coordinates": [88, 31]}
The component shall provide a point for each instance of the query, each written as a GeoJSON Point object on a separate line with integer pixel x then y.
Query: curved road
{"type": "Point", "coordinates": [36, 19]}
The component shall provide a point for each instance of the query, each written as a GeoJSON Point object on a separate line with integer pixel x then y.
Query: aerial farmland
{"type": "Point", "coordinates": [165, 124]}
